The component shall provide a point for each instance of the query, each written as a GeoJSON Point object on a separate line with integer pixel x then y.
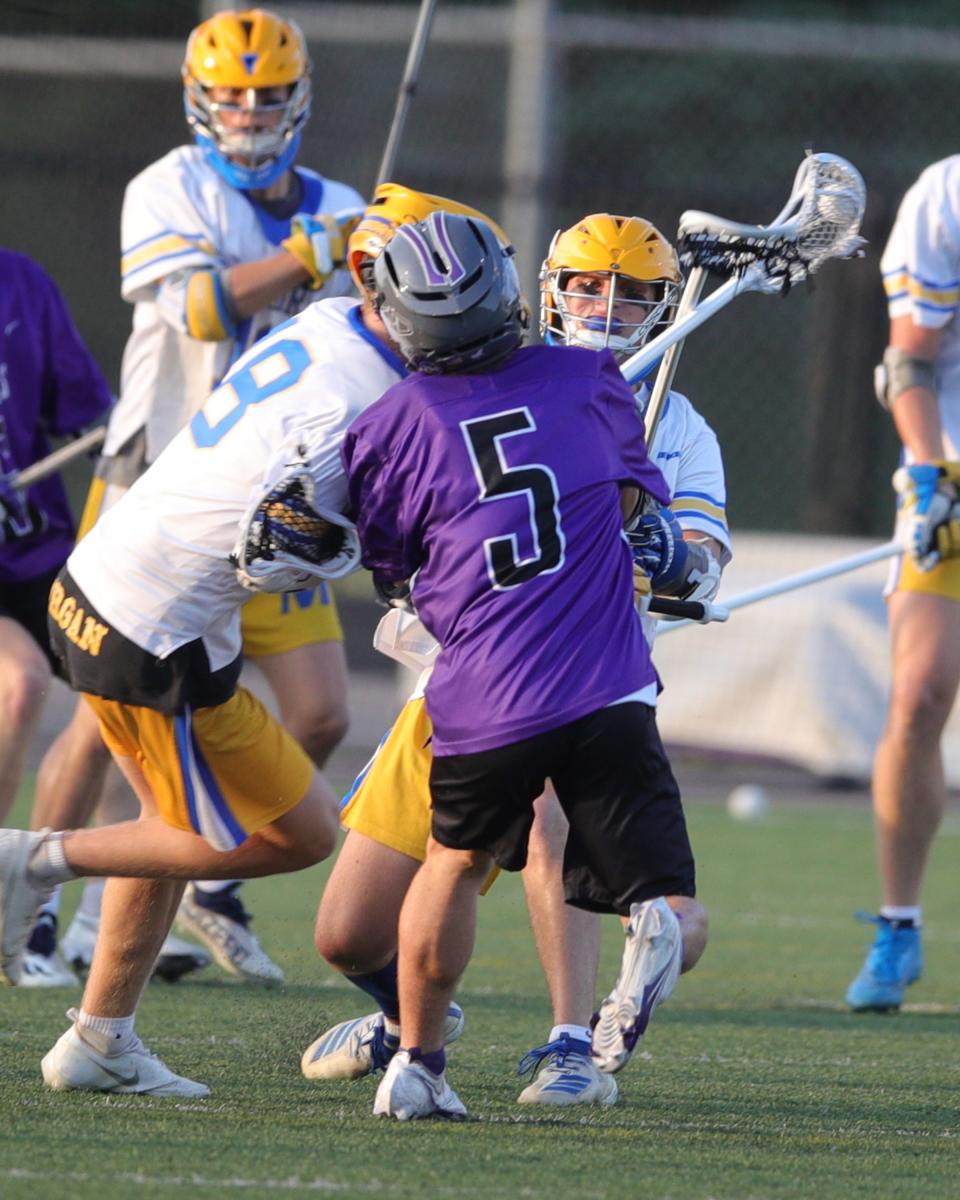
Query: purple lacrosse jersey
{"type": "Point", "coordinates": [501, 492]}
{"type": "Point", "coordinates": [49, 385]}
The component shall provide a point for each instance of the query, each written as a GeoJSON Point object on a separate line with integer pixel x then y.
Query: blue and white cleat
{"type": "Point", "coordinates": [893, 962]}
{"type": "Point", "coordinates": [649, 971]}
{"type": "Point", "coordinates": [410, 1091]}
{"type": "Point", "coordinates": [361, 1046]}
{"type": "Point", "coordinates": [562, 1072]}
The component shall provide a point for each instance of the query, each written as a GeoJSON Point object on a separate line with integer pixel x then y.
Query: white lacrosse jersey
{"type": "Point", "coordinates": [179, 215]}
{"type": "Point", "coordinates": [156, 564]}
{"type": "Point", "coordinates": [686, 451]}
{"type": "Point", "coordinates": [921, 276]}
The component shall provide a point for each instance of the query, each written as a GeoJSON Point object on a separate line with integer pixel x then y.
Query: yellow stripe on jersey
{"type": "Point", "coordinates": [165, 245]}
{"type": "Point", "coordinates": [696, 504]}
{"type": "Point", "coordinates": [902, 283]}
{"type": "Point", "coordinates": [206, 314]}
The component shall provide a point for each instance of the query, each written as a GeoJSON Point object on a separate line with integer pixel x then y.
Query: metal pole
{"type": "Point", "coordinates": [529, 150]}
{"type": "Point", "coordinates": [408, 87]}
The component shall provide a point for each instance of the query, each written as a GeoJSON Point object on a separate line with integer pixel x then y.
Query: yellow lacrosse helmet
{"type": "Point", "coordinates": [394, 205]}
{"type": "Point", "coordinates": [247, 52]}
{"type": "Point", "coordinates": [631, 292]}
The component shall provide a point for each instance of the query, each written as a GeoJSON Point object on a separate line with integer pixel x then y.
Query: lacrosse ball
{"type": "Point", "coordinates": [748, 802]}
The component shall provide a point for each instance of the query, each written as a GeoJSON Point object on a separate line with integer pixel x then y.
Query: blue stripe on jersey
{"type": "Point", "coordinates": [698, 515]}
{"type": "Point", "coordinates": [198, 238]}
{"type": "Point", "coordinates": [181, 733]}
{"type": "Point", "coordinates": [700, 496]}
{"type": "Point", "coordinates": [388, 356]}
{"type": "Point", "coordinates": [931, 283]}
{"type": "Point", "coordinates": [934, 308]}
{"type": "Point", "coordinates": [152, 262]}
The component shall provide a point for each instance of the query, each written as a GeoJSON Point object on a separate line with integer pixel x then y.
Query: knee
{"type": "Point", "coordinates": [920, 703]}
{"type": "Point", "coordinates": [694, 929]}
{"type": "Point", "coordinates": [23, 692]}
{"type": "Point", "coordinates": [321, 730]}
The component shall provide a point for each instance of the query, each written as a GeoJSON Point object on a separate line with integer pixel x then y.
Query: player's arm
{"type": "Point", "coordinates": [930, 515]}
{"type": "Point", "coordinates": [909, 388]}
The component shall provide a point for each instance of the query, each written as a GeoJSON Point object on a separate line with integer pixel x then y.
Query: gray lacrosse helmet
{"type": "Point", "coordinates": [448, 294]}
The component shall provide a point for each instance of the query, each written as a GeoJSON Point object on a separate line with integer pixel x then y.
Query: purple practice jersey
{"type": "Point", "coordinates": [49, 385]}
{"type": "Point", "coordinates": [501, 491]}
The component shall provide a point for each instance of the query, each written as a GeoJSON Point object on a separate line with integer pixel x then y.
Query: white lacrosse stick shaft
{"type": "Point", "coordinates": [59, 458]}
{"type": "Point", "coordinates": [692, 291]}
{"type": "Point", "coordinates": [792, 583]}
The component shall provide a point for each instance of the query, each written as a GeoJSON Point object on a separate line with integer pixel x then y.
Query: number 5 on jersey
{"type": "Point", "coordinates": [536, 482]}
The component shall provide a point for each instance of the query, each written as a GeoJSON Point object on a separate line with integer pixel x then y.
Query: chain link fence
{"type": "Point", "coordinates": [647, 114]}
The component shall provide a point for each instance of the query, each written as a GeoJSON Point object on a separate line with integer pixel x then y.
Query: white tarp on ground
{"type": "Point", "coordinates": [802, 677]}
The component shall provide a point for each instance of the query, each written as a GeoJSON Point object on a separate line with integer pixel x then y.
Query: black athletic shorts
{"type": "Point", "coordinates": [94, 657]}
{"type": "Point", "coordinates": [628, 837]}
{"type": "Point", "coordinates": [26, 603]}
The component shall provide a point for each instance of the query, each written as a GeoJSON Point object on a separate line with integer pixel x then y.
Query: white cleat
{"type": "Point", "coordinates": [46, 971]}
{"type": "Point", "coordinates": [78, 943]}
{"type": "Point", "coordinates": [648, 974]}
{"type": "Point", "coordinates": [410, 1092]}
{"type": "Point", "coordinates": [75, 1065]}
{"type": "Point", "coordinates": [357, 1048]}
{"type": "Point", "coordinates": [230, 942]}
{"type": "Point", "coordinates": [564, 1073]}
{"type": "Point", "coordinates": [20, 900]}
{"type": "Point", "coordinates": [176, 959]}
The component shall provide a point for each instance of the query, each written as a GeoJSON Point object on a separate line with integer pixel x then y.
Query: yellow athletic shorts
{"type": "Point", "coordinates": [222, 772]}
{"type": "Point", "coordinates": [390, 798]}
{"type": "Point", "coordinates": [273, 624]}
{"type": "Point", "coordinates": [943, 580]}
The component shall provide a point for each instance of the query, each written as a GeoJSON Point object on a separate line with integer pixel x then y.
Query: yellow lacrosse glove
{"type": "Point", "coordinates": [319, 243]}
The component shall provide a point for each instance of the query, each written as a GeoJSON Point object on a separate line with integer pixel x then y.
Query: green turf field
{"type": "Point", "coordinates": [753, 1081]}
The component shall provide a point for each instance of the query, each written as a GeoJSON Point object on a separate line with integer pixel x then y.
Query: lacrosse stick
{"type": "Point", "coordinates": [820, 221]}
{"type": "Point", "coordinates": [408, 86]}
{"type": "Point", "coordinates": [668, 366]}
{"type": "Point", "coordinates": [59, 458]}
{"type": "Point", "coordinates": [792, 583]}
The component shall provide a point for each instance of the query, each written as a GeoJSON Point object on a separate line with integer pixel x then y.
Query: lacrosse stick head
{"type": "Point", "coordinates": [287, 543]}
{"type": "Point", "coordinates": [821, 220]}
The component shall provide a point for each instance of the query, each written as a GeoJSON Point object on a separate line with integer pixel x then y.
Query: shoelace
{"type": "Point", "coordinates": [380, 1052]}
{"type": "Point", "coordinates": [564, 1046]}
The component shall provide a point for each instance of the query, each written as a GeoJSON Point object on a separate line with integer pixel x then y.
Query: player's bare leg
{"type": "Point", "coordinates": [71, 774]}
{"type": "Point", "coordinates": [437, 931]}
{"type": "Point", "coordinates": [909, 791]}
{"type": "Point", "coordinates": [310, 684]}
{"type": "Point", "coordinates": [568, 944]}
{"type": "Point", "coordinates": [25, 679]}
{"type": "Point", "coordinates": [356, 933]}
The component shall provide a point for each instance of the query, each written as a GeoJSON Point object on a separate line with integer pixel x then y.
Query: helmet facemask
{"type": "Point", "coordinates": [257, 154]}
{"type": "Point", "coordinates": [576, 312]}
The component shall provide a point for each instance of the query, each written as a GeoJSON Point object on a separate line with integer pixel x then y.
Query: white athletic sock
{"type": "Point", "coordinates": [903, 912]}
{"type": "Point", "coordinates": [48, 863]}
{"type": "Point", "coordinates": [579, 1033]}
{"type": "Point", "coordinates": [52, 906]}
{"type": "Point", "coordinates": [391, 1029]}
{"type": "Point", "coordinates": [109, 1035]}
{"type": "Point", "coordinates": [211, 886]}
{"type": "Point", "coordinates": [92, 898]}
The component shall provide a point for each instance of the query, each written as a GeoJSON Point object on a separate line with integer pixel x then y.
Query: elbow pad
{"type": "Point", "coordinates": [198, 304]}
{"type": "Point", "coordinates": [900, 371]}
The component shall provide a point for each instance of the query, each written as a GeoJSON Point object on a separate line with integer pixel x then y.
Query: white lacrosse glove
{"type": "Point", "coordinates": [287, 543]}
{"type": "Point", "coordinates": [319, 243]}
{"type": "Point", "coordinates": [929, 513]}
